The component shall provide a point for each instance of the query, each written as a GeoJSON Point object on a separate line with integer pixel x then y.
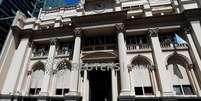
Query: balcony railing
{"type": "Point", "coordinates": [64, 52]}
{"type": "Point", "coordinates": [40, 53]}
{"type": "Point", "coordinates": [99, 47]}
{"type": "Point", "coordinates": [174, 46]}
{"type": "Point", "coordinates": [138, 47]}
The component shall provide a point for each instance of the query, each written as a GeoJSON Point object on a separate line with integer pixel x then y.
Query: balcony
{"type": "Point", "coordinates": [64, 52]}
{"type": "Point", "coordinates": [138, 47]}
{"type": "Point", "coordinates": [172, 46]}
{"type": "Point", "coordinates": [41, 53]}
{"type": "Point", "coordinates": [99, 47]}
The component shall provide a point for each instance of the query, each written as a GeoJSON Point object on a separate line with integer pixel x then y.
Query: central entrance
{"type": "Point", "coordinates": [100, 85]}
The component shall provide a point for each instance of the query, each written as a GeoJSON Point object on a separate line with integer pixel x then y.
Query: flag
{"type": "Point", "coordinates": [179, 40]}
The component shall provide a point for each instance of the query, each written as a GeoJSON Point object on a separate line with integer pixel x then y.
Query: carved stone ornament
{"type": "Point", "coordinates": [190, 66]}
{"type": "Point", "coordinates": [77, 31]}
{"type": "Point", "coordinates": [153, 32]}
{"type": "Point", "coordinates": [29, 72]}
{"type": "Point", "coordinates": [187, 30]}
{"type": "Point", "coordinates": [119, 27]}
{"type": "Point", "coordinates": [53, 41]}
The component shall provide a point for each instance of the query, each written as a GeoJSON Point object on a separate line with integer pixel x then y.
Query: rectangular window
{"type": "Point", "coordinates": [58, 91]}
{"type": "Point", "coordinates": [62, 91]}
{"type": "Point", "coordinates": [138, 91]}
{"type": "Point", "coordinates": [148, 91]}
{"type": "Point", "coordinates": [187, 89]}
{"type": "Point", "coordinates": [177, 89]}
{"type": "Point", "coordinates": [34, 91]}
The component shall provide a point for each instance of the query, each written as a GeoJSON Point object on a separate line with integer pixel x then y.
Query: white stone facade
{"type": "Point", "coordinates": [43, 58]}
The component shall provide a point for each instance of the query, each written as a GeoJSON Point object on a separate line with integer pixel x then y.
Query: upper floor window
{"type": "Point", "coordinates": [139, 39]}
{"type": "Point", "coordinates": [40, 50]}
{"type": "Point", "coordinates": [99, 43]}
{"type": "Point", "coordinates": [64, 48]}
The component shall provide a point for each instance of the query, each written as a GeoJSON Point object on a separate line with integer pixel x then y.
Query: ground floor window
{"type": "Point", "coordinates": [34, 91]}
{"type": "Point", "coordinates": [62, 91]}
{"type": "Point", "coordinates": [143, 91]}
{"type": "Point", "coordinates": [183, 89]}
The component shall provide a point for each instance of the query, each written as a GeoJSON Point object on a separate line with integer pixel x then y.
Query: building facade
{"type": "Point", "coordinates": [121, 50]}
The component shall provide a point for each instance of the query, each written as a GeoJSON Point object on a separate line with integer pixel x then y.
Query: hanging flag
{"type": "Point", "coordinates": [179, 40]}
{"type": "Point", "coordinates": [71, 2]}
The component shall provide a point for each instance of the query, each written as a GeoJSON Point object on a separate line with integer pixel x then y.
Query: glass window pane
{"type": "Point", "coordinates": [32, 91]}
{"type": "Point", "coordinates": [177, 89]}
{"type": "Point", "coordinates": [66, 91]}
{"type": "Point", "coordinates": [38, 91]}
{"type": "Point", "coordinates": [58, 91]}
{"type": "Point", "coordinates": [187, 89]}
{"type": "Point", "coordinates": [138, 91]}
{"type": "Point", "coordinates": [148, 90]}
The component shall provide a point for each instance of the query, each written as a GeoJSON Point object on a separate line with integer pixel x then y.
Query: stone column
{"type": "Point", "coordinates": [125, 87]}
{"type": "Point", "coordinates": [193, 79]}
{"type": "Point", "coordinates": [114, 85]}
{"type": "Point", "coordinates": [86, 87]}
{"type": "Point", "coordinates": [164, 77]}
{"type": "Point", "coordinates": [24, 69]}
{"type": "Point", "coordinates": [193, 53]}
{"type": "Point", "coordinates": [76, 64]}
{"type": "Point", "coordinates": [196, 30]}
{"type": "Point", "coordinates": [53, 83]}
{"type": "Point", "coordinates": [154, 81]}
{"type": "Point", "coordinates": [15, 67]}
{"type": "Point", "coordinates": [27, 83]}
{"type": "Point", "coordinates": [48, 68]}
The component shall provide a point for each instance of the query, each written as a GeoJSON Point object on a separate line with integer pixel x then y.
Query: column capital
{"type": "Point", "coordinates": [29, 72]}
{"type": "Point", "coordinates": [31, 43]}
{"type": "Point", "coordinates": [77, 32]}
{"type": "Point", "coordinates": [54, 71]}
{"type": "Point", "coordinates": [153, 32]}
{"type": "Point", "coordinates": [119, 27]}
{"type": "Point", "coordinates": [187, 30]}
{"type": "Point", "coordinates": [53, 41]}
{"type": "Point", "coordinates": [190, 66]}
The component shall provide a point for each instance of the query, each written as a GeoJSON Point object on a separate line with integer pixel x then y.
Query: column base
{"type": "Point", "coordinates": [73, 93]}
{"type": "Point", "coordinates": [167, 94]}
{"type": "Point", "coordinates": [126, 98]}
{"type": "Point", "coordinates": [43, 93]}
{"type": "Point", "coordinates": [199, 93]}
{"type": "Point", "coordinates": [157, 93]}
{"type": "Point", "coordinates": [126, 93]}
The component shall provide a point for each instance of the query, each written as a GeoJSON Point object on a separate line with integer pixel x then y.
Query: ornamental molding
{"type": "Point", "coordinates": [153, 32]}
{"type": "Point", "coordinates": [77, 32]}
{"type": "Point", "coordinates": [120, 27]}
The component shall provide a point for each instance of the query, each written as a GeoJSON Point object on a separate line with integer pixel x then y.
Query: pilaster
{"type": "Point", "coordinates": [164, 76]}
{"type": "Point", "coordinates": [15, 67]}
{"type": "Point", "coordinates": [48, 68]}
{"type": "Point", "coordinates": [76, 64]}
{"type": "Point", "coordinates": [124, 75]}
{"type": "Point", "coordinates": [196, 30]}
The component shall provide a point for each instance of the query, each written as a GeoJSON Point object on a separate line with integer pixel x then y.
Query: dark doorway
{"type": "Point", "coordinates": [100, 86]}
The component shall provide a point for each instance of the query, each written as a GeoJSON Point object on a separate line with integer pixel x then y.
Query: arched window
{"type": "Point", "coordinates": [177, 66]}
{"type": "Point", "coordinates": [63, 77]}
{"type": "Point", "coordinates": [141, 76]}
{"type": "Point", "coordinates": [36, 78]}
